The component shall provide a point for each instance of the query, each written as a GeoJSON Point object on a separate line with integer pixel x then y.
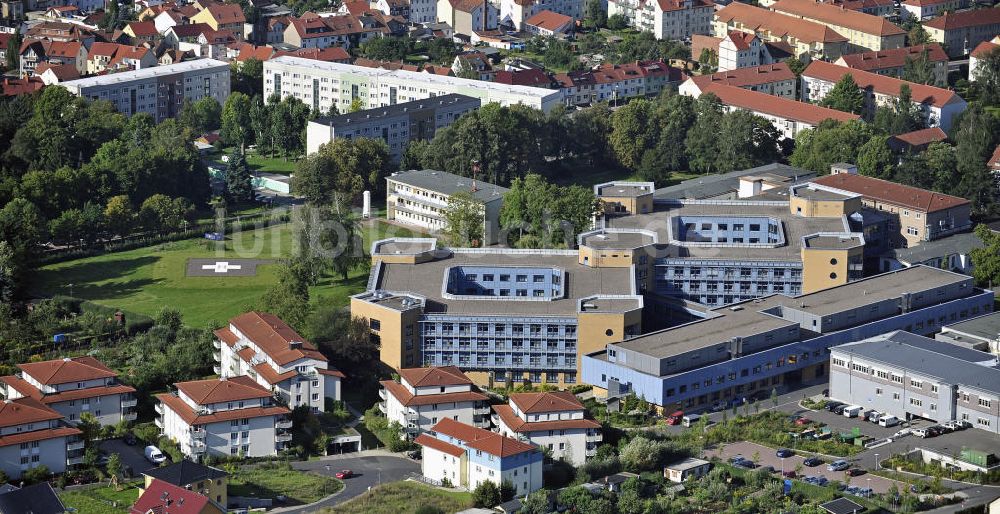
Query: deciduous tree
{"type": "Point", "coordinates": [845, 96]}
{"type": "Point", "coordinates": [236, 125]}
{"type": "Point", "coordinates": [464, 216]}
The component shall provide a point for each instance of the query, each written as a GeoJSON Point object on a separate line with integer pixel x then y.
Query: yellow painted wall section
{"type": "Point", "coordinates": [392, 332]}
{"type": "Point", "coordinates": [823, 208]}
{"type": "Point", "coordinates": [215, 492]}
{"type": "Point", "coordinates": [822, 269]}
{"type": "Point", "coordinates": [593, 330]}
{"type": "Point", "coordinates": [605, 258]}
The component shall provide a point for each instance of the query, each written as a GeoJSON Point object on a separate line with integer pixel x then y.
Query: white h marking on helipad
{"type": "Point", "coordinates": [221, 267]}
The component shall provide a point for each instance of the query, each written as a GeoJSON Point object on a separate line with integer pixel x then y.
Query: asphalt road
{"type": "Point", "coordinates": [370, 470]}
{"type": "Point", "coordinates": [131, 456]}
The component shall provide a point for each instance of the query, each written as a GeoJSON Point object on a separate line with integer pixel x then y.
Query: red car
{"type": "Point", "coordinates": [675, 418]}
{"type": "Point", "coordinates": [346, 473]}
{"type": "Point", "coordinates": [803, 421]}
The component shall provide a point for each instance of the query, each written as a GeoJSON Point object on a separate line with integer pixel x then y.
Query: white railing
{"type": "Point", "coordinates": [130, 416]}
{"type": "Point", "coordinates": [158, 408]}
{"type": "Point", "coordinates": [217, 344]}
{"type": "Point", "coordinates": [158, 421]}
{"type": "Point", "coordinates": [283, 424]}
{"type": "Point", "coordinates": [75, 445]}
{"type": "Point", "coordinates": [73, 461]}
{"type": "Point", "coordinates": [131, 402]}
{"type": "Point", "coordinates": [282, 438]}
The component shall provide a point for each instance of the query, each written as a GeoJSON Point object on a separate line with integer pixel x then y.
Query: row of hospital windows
{"type": "Point", "coordinates": [497, 328]}
{"type": "Point", "coordinates": [679, 271]}
{"type": "Point", "coordinates": [515, 344]}
{"type": "Point", "coordinates": [500, 359]}
{"type": "Point", "coordinates": [745, 372]}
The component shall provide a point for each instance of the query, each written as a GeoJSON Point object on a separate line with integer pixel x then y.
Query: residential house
{"type": "Point", "coordinates": [532, 77]}
{"type": "Point", "coordinates": [788, 116]}
{"type": "Point", "coordinates": [979, 53]}
{"type": "Point", "coordinates": [400, 8]}
{"type": "Point", "coordinates": [132, 58]}
{"type": "Point", "coordinates": [224, 417]}
{"type": "Point", "coordinates": [467, 456]}
{"type": "Point", "coordinates": [773, 79]}
{"type": "Point", "coordinates": [553, 420]}
{"type": "Point", "coordinates": [740, 50]}
{"type": "Point", "coordinates": [222, 17]}
{"type": "Point", "coordinates": [62, 11]}
{"type": "Point", "coordinates": [616, 82]}
{"type": "Point", "coordinates": [142, 31]}
{"type": "Point", "coordinates": [689, 468]}
{"type": "Point", "coordinates": [960, 32]}
{"type": "Point", "coordinates": [61, 31]}
{"type": "Point", "coordinates": [214, 44]}
{"type": "Point", "coordinates": [187, 33]}
{"type": "Point", "coordinates": [423, 11]}
{"type": "Point", "coordinates": [806, 39]}
{"type": "Point", "coordinates": [32, 435]}
{"type": "Point", "coordinates": [72, 387]}
{"type": "Point", "coordinates": [173, 57]}
{"type": "Point", "coordinates": [15, 87]}
{"type": "Point", "coordinates": [863, 31]}
{"type": "Point", "coordinates": [938, 106]}
{"type": "Point", "coordinates": [917, 215]}
{"type": "Point", "coordinates": [276, 28]}
{"type": "Point", "coordinates": [473, 65]}
{"type": "Point", "coordinates": [192, 476]}
{"type": "Point", "coordinates": [423, 396]}
{"type": "Point", "coordinates": [513, 13]}
{"type": "Point", "coordinates": [264, 348]}
{"type": "Point", "coordinates": [994, 163]}
{"type": "Point", "coordinates": [666, 19]}
{"type": "Point", "coordinates": [466, 16]}
{"type": "Point", "coordinates": [420, 197]}
{"type": "Point", "coordinates": [549, 24]}
{"type": "Point", "coordinates": [344, 30]}
{"type": "Point", "coordinates": [886, 8]}
{"type": "Point", "coordinates": [39, 498]}
{"type": "Point", "coordinates": [894, 62]}
{"type": "Point", "coordinates": [36, 51]}
{"type": "Point", "coordinates": [926, 9]}
{"type": "Point", "coordinates": [916, 141]}
{"type": "Point", "coordinates": [159, 496]}
{"type": "Point", "coordinates": [56, 73]}
{"type": "Point", "coordinates": [100, 56]}
{"type": "Point", "coordinates": [174, 16]}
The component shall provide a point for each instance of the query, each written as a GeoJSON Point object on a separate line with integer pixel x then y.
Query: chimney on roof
{"type": "Point", "coordinates": [295, 345]}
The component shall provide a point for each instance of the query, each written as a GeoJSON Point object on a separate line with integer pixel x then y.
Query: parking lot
{"type": "Point", "coordinates": [132, 456]}
{"type": "Point", "coordinates": [768, 458]}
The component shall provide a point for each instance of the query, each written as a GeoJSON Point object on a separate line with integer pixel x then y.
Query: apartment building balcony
{"type": "Point", "coordinates": [198, 433]}
{"type": "Point", "coordinates": [283, 424]}
{"type": "Point", "coordinates": [482, 423]}
{"type": "Point", "coordinates": [74, 461]}
{"type": "Point", "coordinates": [411, 429]}
{"type": "Point", "coordinates": [158, 408]}
{"type": "Point", "coordinates": [75, 445]}
{"type": "Point", "coordinates": [130, 416]}
{"type": "Point", "coordinates": [591, 452]}
{"type": "Point", "coordinates": [495, 419]}
{"type": "Point", "coordinates": [217, 356]}
{"type": "Point", "coordinates": [217, 369]}
{"type": "Point", "coordinates": [282, 437]}
{"type": "Point", "coordinates": [412, 416]}
{"type": "Point", "coordinates": [158, 421]}
{"type": "Point", "coordinates": [198, 447]}
{"type": "Point", "coordinates": [217, 344]}
{"type": "Point", "coordinates": [595, 438]}
{"type": "Point", "coordinates": [129, 403]}
{"type": "Point", "coordinates": [419, 199]}
{"type": "Point", "coordinates": [382, 408]}
{"type": "Point", "coordinates": [483, 410]}
{"type": "Point", "coordinates": [383, 394]}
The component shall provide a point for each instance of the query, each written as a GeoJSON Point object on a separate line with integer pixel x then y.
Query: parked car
{"type": "Point", "coordinates": [831, 405]}
{"type": "Point", "coordinates": [872, 415]}
{"type": "Point", "coordinates": [852, 410]}
{"type": "Point", "coordinates": [769, 469]}
{"type": "Point", "coordinates": [154, 455]}
{"type": "Point", "coordinates": [888, 421]}
{"type": "Point", "coordinates": [748, 464]}
{"type": "Point", "coordinates": [838, 410]}
{"type": "Point", "coordinates": [129, 439]}
{"type": "Point", "coordinates": [863, 491]}
{"type": "Point", "coordinates": [920, 432]}
{"type": "Point", "coordinates": [736, 458]}
{"type": "Point", "coordinates": [344, 473]}
{"type": "Point", "coordinates": [855, 472]}
{"type": "Point", "coordinates": [718, 406]}
{"type": "Point", "coordinates": [816, 480]}
{"type": "Point", "coordinates": [935, 430]}
{"type": "Point", "coordinates": [812, 462]}
{"type": "Point", "coordinates": [956, 424]}
{"type": "Point", "coordinates": [784, 453]}
{"type": "Point", "coordinates": [788, 474]}
{"type": "Point", "coordinates": [838, 465]}
{"type": "Point", "coordinates": [675, 418]}
{"type": "Point", "coordinates": [803, 421]}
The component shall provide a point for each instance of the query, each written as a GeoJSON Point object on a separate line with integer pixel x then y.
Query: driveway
{"type": "Point", "coordinates": [131, 456]}
{"type": "Point", "coordinates": [370, 470]}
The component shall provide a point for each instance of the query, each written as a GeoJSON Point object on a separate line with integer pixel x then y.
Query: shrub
{"type": "Point", "coordinates": [35, 475]}
{"type": "Point", "coordinates": [486, 494]}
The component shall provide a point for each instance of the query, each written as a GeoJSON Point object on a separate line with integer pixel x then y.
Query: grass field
{"type": "Point", "coordinates": [147, 279]}
{"type": "Point", "coordinates": [100, 500]}
{"type": "Point", "coordinates": [269, 482]}
{"type": "Point", "coordinates": [404, 498]}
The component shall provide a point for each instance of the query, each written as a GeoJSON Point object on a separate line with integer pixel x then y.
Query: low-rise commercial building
{"type": "Point", "coordinates": [265, 349]}
{"type": "Point", "coordinates": [917, 215]}
{"type": "Point", "coordinates": [938, 107]}
{"type": "Point", "coordinates": [423, 396]}
{"type": "Point", "coordinates": [421, 198]}
{"type": "Point", "coordinates": [338, 85]}
{"type": "Point", "coordinates": [960, 32]}
{"type": "Point", "coordinates": [159, 91]}
{"type": "Point", "coordinates": [805, 39]}
{"type": "Point", "coordinates": [467, 456]}
{"type": "Point", "coordinates": [666, 19]}
{"type": "Point", "coordinates": [225, 417]}
{"type": "Point", "coordinates": [397, 125]}
{"type": "Point", "coordinates": [893, 62]}
{"type": "Point", "coordinates": [553, 420]}
{"type": "Point", "coordinates": [907, 376]}
{"type": "Point", "coordinates": [688, 468]}
{"type": "Point", "coordinates": [982, 333]}
{"type": "Point", "coordinates": [863, 31]}
{"type": "Point", "coordinates": [771, 79]}
{"type": "Point", "coordinates": [72, 387]}
{"type": "Point", "coordinates": [33, 435]}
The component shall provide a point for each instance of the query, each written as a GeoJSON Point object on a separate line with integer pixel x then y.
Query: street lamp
{"type": "Point", "coordinates": [876, 462]}
{"type": "Point", "coordinates": [869, 491]}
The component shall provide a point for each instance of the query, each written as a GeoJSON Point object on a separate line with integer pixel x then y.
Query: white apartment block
{"type": "Point", "coordinates": [224, 417]}
{"type": "Point", "coordinates": [72, 387]}
{"type": "Point", "coordinates": [32, 435]}
{"type": "Point", "coordinates": [666, 19]}
{"type": "Point", "coordinates": [553, 420]}
{"type": "Point", "coordinates": [265, 349]}
{"type": "Point", "coordinates": [926, 9]}
{"type": "Point", "coordinates": [771, 79]}
{"type": "Point", "coordinates": [339, 84]}
{"type": "Point", "coordinates": [397, 125]}
{"type": "Point", "coordinates": [516, 12]}
{"type": "Point", "coordinates": [423, 11]}
{"type": "Point", "coordinates": [424, 396]}
{"type": "Point", "coordinates": [160, 90]}
{"type": "Point", "coordinates": [420, 198]}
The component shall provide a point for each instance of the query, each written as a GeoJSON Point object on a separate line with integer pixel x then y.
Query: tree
{"type": "Point", "coordinates": [288, 299]}
{"type": "Point", "coordinates": [288, 119]}
{"type": "Point", "coordinates": [119, 217]}
{"type": "Point", "coordinates": [915, 33]}
{"type": "Point", "coordinates": [346, 340]}
{"type": "Point", "coordinates": [987, 75]}
{"type": "Point", "coordinates": [535, 503]}
{"type": "Point", "coordinates": [901, 116]}
{"type": "Point", "coordinates": [387, 48]}
{"type": "Point", "coordinates": [36, 474]}
{"type": "Point", "coordinates": [8, 274]}
{"type": "Point", "coordinates": [630, 132]}
{"type": "Point", "coordinates": [744, 141]}
{"type": "Point", "coordinates": [875, 159]}
{"type": "Point", "coordinates": [796, 66]}
{"type": "Point", "coordinates": [164, 214]}
{"type": "Point", "coordinates": [236, 125]}
{"type": "Point", "coordinates": [845, 96]}
{"type": "Point", "coordinates": [358, 105]}
{"type": "Point", "coordinates": [640, 454]}
{"type": "Point", "coordinates": [464, 215]}
{"type": "Point", "coordinates": [558, 53]}
{"type": "Point", "coordinates": [507, 491]}
{"type": "Point", "coordinates": [774, 397]}
{"type": "Point", "coordinates": [595, 16]}
{"type": "Point", "coordinates": [22, 229]}
{"type": "Point", "coordinates": [702, 138]}
{"type": "Point", "coordinates": [617, 22]}
{"type": "Point", "coordinates": [976, 137]}
{"type": "Point", "coordinates": [486, 495]}
{"type": "Point", "coordinates": [986, 260]}
{"type": "Point", "coordinates": [341, 170]}
{"type": "Point", "coordinates": [12, 52]}
{"type": "Point", "coordinates": [708, 61]}
{"type": "Point", "coordinates": [114, 465]}
{"type": "Point", "coordinates": [831, 141]}
{"type": "Point", "coordinates": [239, 186]}
{"type": "Point", "coordinates": [920, 69]}
{"type": "Point", "coordinates": [551, 215]}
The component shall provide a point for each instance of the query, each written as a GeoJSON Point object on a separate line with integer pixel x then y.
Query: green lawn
{"type": "Point", "coordinates": [100, 500]}
{"type": "Point", "coordinates": [275, 165]}
{"type": "Point", "coordinates": [147, 279]}
{"type": "Point", "coordinates": [404, 498]}
{"type": "Point", "coordinates": [270, 481]}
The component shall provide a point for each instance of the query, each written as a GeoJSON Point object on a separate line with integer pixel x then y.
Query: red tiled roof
{"type": "Point", "coordinates": [678, 5]}
{"type": "Point", "coordinates": [924, 3]}
{"type": "Point", "coordinates": [38, 435]}
{"type": "Point", "coordinates": [190, 30]}
{"type": "Point", "coordinates": [64, 371]}
{"type": "Point", "coordinates": [226, 336]}
{"type": "Point", "coordinates": [356, 7]}
{"type": "Point", "coordinates": [143, 28]}
{"type": "Point", "coordinates": [226, 13]}
{"type": "Point", "coordinates": [328, 54]}
{"type": "Point", "coordinates": [26, 389]}
{"type": "Point", "coordinates": [923, 136]}
{"type": "Point", "coordinates": [14, 87]}
{"type": "Point", "coordinates": [506, 413]}
{"type": "Point", "coordinates": [331, 373]}
{"type": "Point", "coordinates": [744, 77]}
{"type": "Point", "coordinates": [274, 337]}
{"type": "Point", "coordinates": [984, 48]}
{"type": "Point", "coordinates": [776, 106]}
{"type": "Point", "coordinates": [164, 498]}
{"type": "Point", "coordinates": [754, 18]}
{"type": "Point", "coordinates": [193, 418]}
{"type": "Point", "coordinates": [826, 13]}
{"type": "Point", "coordinates": [431, 377]}
{"type": "Point", "coordinates": [481, 439]}
{"type": "Point", "coordinates": [881, 84]}
{"type": "Point", "coordinates": [534, 403]}
{"type": "Point", "coordinates": [533, 77]}
{"type": "Point", "coordinates": [741, 40]}
{"type": "Point", "coordinates": [249, 51]}
{"type": "Point", "coordinates": [204, 392]}
{"type": "Point", "coordinates": [466, 5]}
{"type": "Point", "coordinates": [550, 20]}
{"type": "Point", "coordinates": [965, 19]}
{"type": "Point", "coordinates": [439, 445]}
{"type": "Point", "coordinates": [868, 61]}
{"type": "Point", "coordinates": [136, 53]}
{"type": "Point", "coordinates": [61, 71]}
{"type": "Point", "coordinates": [408, 399]}
{"type": "Point", "coordinates": [700, 42]}
{"type": "Point", "coordinates": [438, 70]}
{"type": "Point", "coordinates": [65, 49]}
{"type": "Point", "coordinates": [25, 410]}
{"type": "Point", "coordinates": [994, 161]}
{"type": "Point", "coordinates": [891, 192]}
{"type": "Point", "coordinates": [103, 49]}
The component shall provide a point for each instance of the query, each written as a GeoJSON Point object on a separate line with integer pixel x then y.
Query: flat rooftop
{"type": "Point", "coordinates": [610, 304]}
{"type": "Point", "coordinates": [813, 193]}
{"type": "Point", "coordinates": [623, 189]}
{"type": "Point", "coordinates": [832, 242]}
{"type": "Point", "coordinates": [391, 111]}
{"type": "Point", "coordinates": [714, 186]}
{"type": "Point", "coordinates": [449, 184]}
{"type": "Point", "coordinates": [795, 228]}
{"type": "Point", "coordinates": [426, 280]}
{"type": "Point", "coordinates": [960, 244]}
{"type": "Point", "coordinates": [984, 327]}
{"type": "Point", "coordinates": [403, 247]}
{"type": "Point", "coordinates": [146, 73]}
{"type": "Point", "coordinates": [618, 240]}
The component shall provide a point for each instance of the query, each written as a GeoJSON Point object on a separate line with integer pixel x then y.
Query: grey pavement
{"type": "Point", "coordinates": [131, 456]}
{"type": "Point", "coordinates": [371, 468]}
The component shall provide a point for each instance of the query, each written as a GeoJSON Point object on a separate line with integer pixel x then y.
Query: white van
{"type": "Point", "coordinates": [690, 419]}
{"type": "Point", "coordinates": [852, 411]}
{"type": "Point", "coordinates": [154, 455]}
{"type": "Point", "coordinates": [888, 421]}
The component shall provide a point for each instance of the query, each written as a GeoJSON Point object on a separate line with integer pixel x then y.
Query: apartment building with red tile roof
{"type": "Point", "coordinates": [960, 32]}
{"type": "Point", "coordinates": [807, 39]}
{"type": "Point", "coordinates": [202, 416]}
{"type": "Point", "coordinates": [938, 106]}
{"type": "Point", "coordinates": [863, 31]}
{"type": "Point", "coordinates": [554, 420]}
{"type": "Point", "coordinates": [549, 23]}
{"type": "Point", "coordinates": [893, 62]}
{"type": "Point", "coordinates": [72, 387]}
{"type": "Point", "coordinates": [222, 17]}
{"type": "Point", "coordinates": [342, 30]}
{"type": "Point", "coordinates": [616, 82]}
{"type": "Point", "coordinates": [925, 9]}
{"type": "Point", "coordinates": [423, 396]}
{"type": "Point", "coordinates": [666, 19]}
{"type": "Point", "coordinates": [979, 53]}
{"type": "Point", "coordinates": [164, 498]}
{"type": "Point", "coordinates": [917, 214]}
{"type": "Point", "coordinates": [772, 79]}
{"type": "Point", "coordinates": [32, 434]}
{"type": "Point", "coordinates": [873, 7]}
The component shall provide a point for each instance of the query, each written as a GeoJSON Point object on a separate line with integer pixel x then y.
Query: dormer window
{"type": "Point", "coordinates": [442, 389]}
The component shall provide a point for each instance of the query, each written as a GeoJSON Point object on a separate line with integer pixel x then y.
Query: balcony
{"type": "Point", "coordinates": [595, 438]}
{"type": "Point", "coordinates": [482, 423]}
{"type": "Point", "coordinates": [158, 408]}
{"type": "Point", "coordinates": [217, 356]}
{"type": "Point", "coordinates": [282, 437]}
{"type": "Point", "coordinates": [591, 452]}
{"type": "Point", "coordinates": [283, 424]}
{"type": "Point", "coordinates": [74, 445]}
{"type": "Point", "coordinates": [73, 461]}
{"type": "Point", "coordinates": [217, 369]}
{"type": "Point", "coordinates": [130, 416]}
{"type": "Point", "coordinates": [198, 434]}
{"type": "Point", "coordinates": [382, 408]}
{"type": "Point", "coordinates": [198, 447]}
{"type": "Point", "coordinates": [412, 416]}
{"type": "Point", "coordinates": [411, 429]}
{"type": "Point", "coordinates": [128, 404]}
{"type": "Point", "coordinates": [382, 394]}
{"type": "Point", "coordinates": [482, 411]}
{"type": "Point", "coordinates": [159, 421]}
{"type": "Point", "coordinates": [217, 344]}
